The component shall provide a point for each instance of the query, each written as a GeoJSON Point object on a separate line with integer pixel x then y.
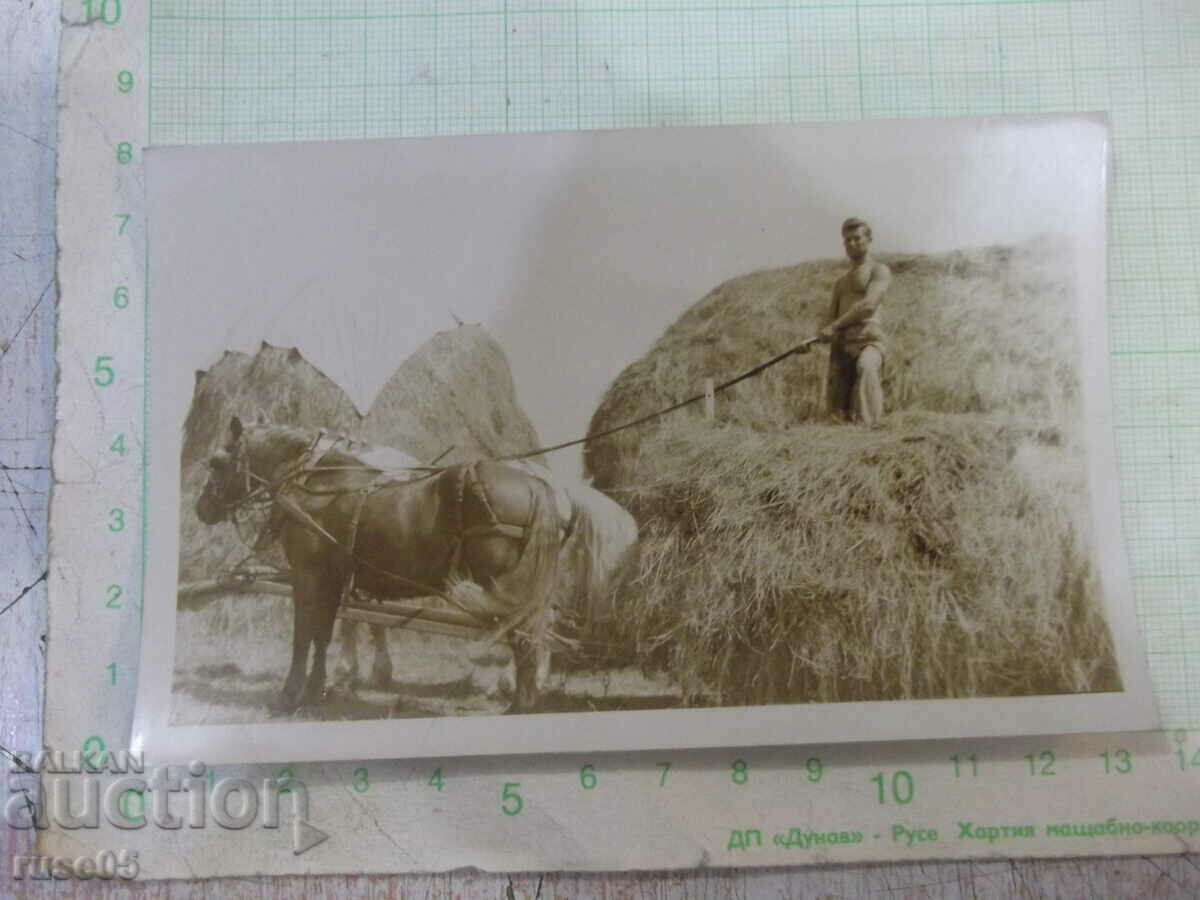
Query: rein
{"type": "Point", "coordinates": [802, 347]}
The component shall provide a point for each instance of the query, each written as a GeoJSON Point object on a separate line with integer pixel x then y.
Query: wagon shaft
{"type": "Point", "coordinates": [414, 618]}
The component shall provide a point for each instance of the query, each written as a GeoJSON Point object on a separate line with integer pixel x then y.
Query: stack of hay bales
{"type": "Point", "coordinates": [786, 558]}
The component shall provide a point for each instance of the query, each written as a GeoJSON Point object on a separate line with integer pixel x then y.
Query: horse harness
{"type": "Point", "coordinates": [467, 482]}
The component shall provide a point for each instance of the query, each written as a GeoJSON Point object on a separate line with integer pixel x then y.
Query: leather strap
{"type": "Point", "coordinates": [352, 537]}
{"type": "Point", "coordinates": [496, 528]}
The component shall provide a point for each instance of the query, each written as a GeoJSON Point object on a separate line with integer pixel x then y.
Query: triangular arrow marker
{"type": "Point", "coordinates": [305, 837]}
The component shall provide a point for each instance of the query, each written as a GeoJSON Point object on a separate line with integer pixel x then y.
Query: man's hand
{"type": "Point", "coordinates": [826, 334]}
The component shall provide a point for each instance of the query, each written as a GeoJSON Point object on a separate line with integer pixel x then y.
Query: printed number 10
{"type": "Point", "coordinates": [903, 787]}
{"type": "Point", "coordinates": [108, 11]}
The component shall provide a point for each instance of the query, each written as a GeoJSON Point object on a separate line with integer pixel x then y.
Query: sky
{"type": "Point", "coordinates": [575, 250]}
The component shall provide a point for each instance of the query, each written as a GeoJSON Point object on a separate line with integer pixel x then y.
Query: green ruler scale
{"type": "Point", "coordinates": [138, 73]}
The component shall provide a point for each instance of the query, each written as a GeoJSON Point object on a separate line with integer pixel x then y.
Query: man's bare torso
{"type": "Point", "coordinates": [850, 289]}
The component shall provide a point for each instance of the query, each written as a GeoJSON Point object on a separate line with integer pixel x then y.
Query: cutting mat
{"type": "Point", "coordinates": [136, 74]}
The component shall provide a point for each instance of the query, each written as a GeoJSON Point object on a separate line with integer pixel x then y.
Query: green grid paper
{"type": "Point", "coordinates": [267, 70]}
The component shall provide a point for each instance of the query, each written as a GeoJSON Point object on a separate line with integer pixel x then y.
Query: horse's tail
{"type": "Point", "coordinates": [528, 589]}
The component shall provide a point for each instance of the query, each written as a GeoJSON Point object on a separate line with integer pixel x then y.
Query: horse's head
{"type": "Point", "coordinates": [229, 481]}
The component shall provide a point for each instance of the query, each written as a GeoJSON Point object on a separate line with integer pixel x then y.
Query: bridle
{"type": "Point", "coordinates": [259, 491]}
{"type": "Point", "coordinates": [255, 489]}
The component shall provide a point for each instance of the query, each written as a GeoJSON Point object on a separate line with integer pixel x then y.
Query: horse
{"type": "Point", "coordinates": [597, 559]}
{"type": "Point", "coordinates": [482, 535]}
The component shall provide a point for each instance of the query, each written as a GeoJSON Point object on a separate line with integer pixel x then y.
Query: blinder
{"type": "Point", "coordinates": [230, 470]}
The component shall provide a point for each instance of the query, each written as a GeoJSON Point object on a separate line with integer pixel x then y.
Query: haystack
{"type": "Point", "coordinates": [984, 331]}
{"type": "Point", "coordinates": [789, 559]}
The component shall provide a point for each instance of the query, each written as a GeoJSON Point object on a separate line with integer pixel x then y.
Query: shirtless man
{"type": "Point", "coordinates": [855, 332]}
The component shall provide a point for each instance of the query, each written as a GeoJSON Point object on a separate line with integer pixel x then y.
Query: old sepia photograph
{"type": "Point", "coordinates": [634, 439]}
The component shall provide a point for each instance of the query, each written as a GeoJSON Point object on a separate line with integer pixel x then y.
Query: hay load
{"type": "Point", "coordinates": [454, 393]}
{"type": "Point", "coordinates": [785, 558]}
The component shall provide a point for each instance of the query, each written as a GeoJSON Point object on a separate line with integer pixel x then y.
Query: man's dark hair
{"type": "Point", "coordinates": [853, 222]}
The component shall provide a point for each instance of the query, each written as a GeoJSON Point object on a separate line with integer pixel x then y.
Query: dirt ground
{"type": "Point", "coordinates": [232, 657]}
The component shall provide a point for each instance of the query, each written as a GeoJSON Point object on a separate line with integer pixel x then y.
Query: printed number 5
{"type": "Point", "coordinates": [104, 372]}
{"type": "Point", "coordinates": [512, 802]}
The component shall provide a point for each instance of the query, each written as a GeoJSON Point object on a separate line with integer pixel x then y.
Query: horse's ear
{"type": "Point", "coordinates": [235, 428]}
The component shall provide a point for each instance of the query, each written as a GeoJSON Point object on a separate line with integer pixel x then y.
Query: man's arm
{"type": "Point", "coordinates": [881, 279]}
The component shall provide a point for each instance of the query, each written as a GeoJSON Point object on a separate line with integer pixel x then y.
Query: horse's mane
{"type": "Point", "coordinates": [374, 456]}
{"type": "Point", "coordinates": [293, 440]}
{"type": "Point", "coordinates": [277, 444]}
{"type": "Point", "coordinates": [288, 436]}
